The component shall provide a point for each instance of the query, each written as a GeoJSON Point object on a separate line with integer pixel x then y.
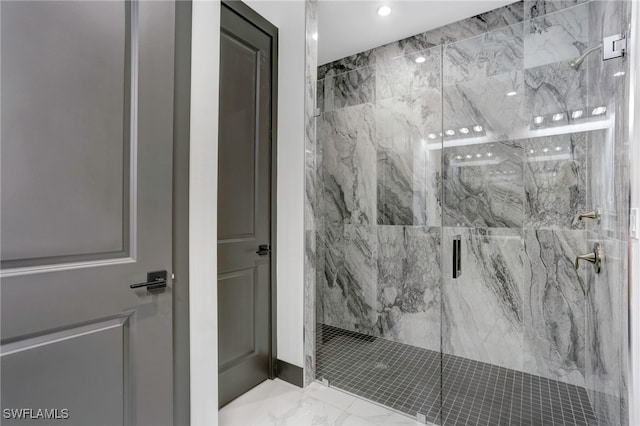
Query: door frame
{"type": "Point", "coordinates": [252, 17]}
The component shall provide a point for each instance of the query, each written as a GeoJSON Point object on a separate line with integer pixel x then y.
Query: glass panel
{"type": "Point", "coordinates": [521, 326]}
{"type": "Point", "coordinates": [378, 233]}
{"type": "Point", "coordinates": [479, 132]}
{"type": "Point", "coordinates": [65, 192]}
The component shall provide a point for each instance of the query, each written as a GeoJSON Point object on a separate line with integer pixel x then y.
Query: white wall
{"type": "Point", "coordinates": [203, 175]}
{"type": "Point", "coordinates": [205, 53]}
{"type": "Point", "coordinates": [289, 17]}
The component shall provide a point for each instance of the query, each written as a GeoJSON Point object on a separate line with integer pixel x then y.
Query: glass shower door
{"type": "Point", "coordinates": [531, 142]}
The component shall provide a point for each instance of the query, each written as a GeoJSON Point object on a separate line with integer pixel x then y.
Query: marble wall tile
{"type": "Point", "coordinates": [488, 54]}
{"type": "Point", "coordinates": [350, 63]}
{"type": "Point", "coordinates": [395, 191]}
{"type": "Point", "coordinates": [310, 207]}
{"type": "Point", "coordinates": [495, 103]}
{"type": "Point", "coordinates": [409, 282]}
{"type": "Point", "coordinates": [348, 89]}
{"type": "Point", "coordinates": [606, 338]}
{"type": "Point", "coordinates": [348, 287]}
{"type": "Point", "coordinates": [537, 8]}
{"type": "Point", "coordinates": [482, 185]}
{"type": "Point", "coordinates": [482, 310]}
{"type": "Point", "coordinates": [556, 37]}
{"type": "Point", "coordinates": [485, 22]}
{"type": "Point", "coordinates": [409, 167]}
{"type": "Point", "coordinates": [407, 46]}
{"type": "Point", "coordinates": [556, 88]}
{"type": "Point", "coordinates": [606, 186]}
{"type": "Point", "coordinates": [555, 169]}
{"type": "Point", "coordinates": [402, 76]}
{"type": "Point", "coordinates": [554, 313]}
{"type": "Point", "coordinates": [410, 118]}
{"type": "Point", "coordinates": [349, 165]}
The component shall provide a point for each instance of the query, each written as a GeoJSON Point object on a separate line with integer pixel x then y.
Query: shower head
{"type": "Point", "coordinates": [575, 64]}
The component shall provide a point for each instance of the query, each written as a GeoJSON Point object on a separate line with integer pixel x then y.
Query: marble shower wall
{"type": "Point", "coordinates": [310, 203]}
{"type": "Point", "coordinates": [480, 138]}
{"type": "Point", "coordinates": [608, 187]}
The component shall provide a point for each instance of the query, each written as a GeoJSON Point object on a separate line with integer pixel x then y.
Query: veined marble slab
{"type": "Point", "coordinates": [496, 103]}
{"type": "Point", "coordinates": [349, 165]}
{"type": "Point", "coordinates": [483, 185]}
{"type": "Point", "coordinates": [537, 8]}
{"type": "Point", "coordinates": [485, 55]}
{"type": "Point", "coordinates": [402, 76]}
{"type": "Point", "coordinates": [556, 37]}
{"type": "Point", "coordinates": [554, 312]}
{"type": "Point", "coordinates": [311, 182]}
{"type": "Point", "coordinates": [349, 286]}
{"type": "Point", "coordinates": [408, 170]}
{"type": "Point", "coordinates": [482, 312]}
{"type": "Point", "coordinates": [555, 170]}
{"type": "Point", "coordinates": [409, 282]}
{"type": "Point", "coordinates": [556, 89]}
{"type": "Point", "coordinates": [350, 88]}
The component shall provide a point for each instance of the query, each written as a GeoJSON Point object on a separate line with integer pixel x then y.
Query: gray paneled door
{"type": "Point", "coordinates": [244, 201]}
{"type": "Point", "coordinates": [86, 166]}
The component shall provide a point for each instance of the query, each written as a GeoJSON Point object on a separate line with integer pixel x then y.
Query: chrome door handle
{"type": "Point", "coordinates": [595, 214]}
{"type": "Point", "coordinates": [155, 281]}
{"type": "Point", "coordinates": [595, 257]}
{"type": "Point", "coordinates": [457, 256]}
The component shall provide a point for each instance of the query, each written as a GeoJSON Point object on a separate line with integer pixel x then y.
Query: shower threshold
{"type": "Point", "coordinates": [444, 389]}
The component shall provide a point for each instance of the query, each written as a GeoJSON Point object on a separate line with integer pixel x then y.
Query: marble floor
{"type": "Point", "coordinates": [275, 402]}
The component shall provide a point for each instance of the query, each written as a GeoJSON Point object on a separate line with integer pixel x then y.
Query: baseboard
{"type": "Point", "coordinates": [290, 373]}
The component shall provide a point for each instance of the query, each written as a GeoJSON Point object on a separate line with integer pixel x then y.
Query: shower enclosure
{"type": "Point", "coordinates": [456, 177]}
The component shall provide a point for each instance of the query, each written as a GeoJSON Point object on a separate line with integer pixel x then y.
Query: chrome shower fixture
{"type": "Point", "coordinates": [575, 64]}
{"type": "Point", "coordinates": [613, 46]}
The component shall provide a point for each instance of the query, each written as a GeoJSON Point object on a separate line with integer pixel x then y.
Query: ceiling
{"type": "Point", "coordinates": [346, 27]}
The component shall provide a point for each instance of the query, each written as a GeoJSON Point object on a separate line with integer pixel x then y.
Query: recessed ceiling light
{"type": "Point", "coordinates": [469, 156]}
{"type": "Point", "coordinates": [599, 110]}
{"type": "Point", "coordinates": [384, 11]}
{"type": "Point", "coordinates": [477, 129]}
{"type": "Point", "coordinates": [512, 93]}
{"type": "Point", "coordinates": [538, 120]}
{"type": "Point", "coordinates": [464, 130]}
{"type": "Point", "coordinates": [420, 59]}
{"type": "Point", "coordinates": [449, 132]}
{"type": "Point", "coordinates": [479, 155]}
{"type": "Point", "coordinates": [489, 154]}
{"type": "Point", "coordinates": [619, 74]}
{"type": "Point", "coordinates": [432, 136]}
{"type": "Point", "coordinates": [576, 114]}
{"type": "Point", "coordinates": [314, 36]}
{"type": "Point", "coordinates": [545, 150]}
{"type": "Point", "coordinates": [558, 148]}
{"type": "Point", "coordinates": [557, 117]}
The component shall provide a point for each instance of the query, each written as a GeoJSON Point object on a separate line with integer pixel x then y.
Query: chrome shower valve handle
{"type": "Point", "coordinates": [595, 257]}
{"type": "Point", "coordinates": [595, 214]}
